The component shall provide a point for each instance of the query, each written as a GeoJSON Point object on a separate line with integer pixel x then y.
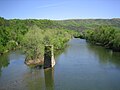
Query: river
{"type": "Point", "coordinates": [81, 66]}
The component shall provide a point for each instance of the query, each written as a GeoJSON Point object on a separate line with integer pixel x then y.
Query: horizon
{"type": "Point", "coordinates": [60, 10]}
{"type": "Point", "coordinates": [61, 19]}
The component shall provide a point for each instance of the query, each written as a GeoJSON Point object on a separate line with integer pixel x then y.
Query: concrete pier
{"type": "Point", "coordinates": [49, 60]}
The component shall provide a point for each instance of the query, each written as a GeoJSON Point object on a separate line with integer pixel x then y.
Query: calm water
{"type": "Point", "coordinates": [80, 67]}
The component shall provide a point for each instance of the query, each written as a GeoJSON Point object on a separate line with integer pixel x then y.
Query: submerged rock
{"type": "Point", "coordinates": [34, 62]}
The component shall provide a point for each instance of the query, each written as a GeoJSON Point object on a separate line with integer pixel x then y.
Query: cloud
{"type": "Point", "coordinates": [52, 5]}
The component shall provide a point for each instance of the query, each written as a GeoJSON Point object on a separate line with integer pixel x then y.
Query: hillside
{"type": "Point", "coordinates": [83, 24]}
{"type": "Point", "coordinates": [13, 31]}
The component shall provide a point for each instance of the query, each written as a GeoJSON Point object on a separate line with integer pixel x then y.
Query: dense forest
{"type": "Point", "coordinates": [32, 34]}
{"type": "Point", "coordinates": [106, 36]}
{"type": "Point", "coordinates": [104, 32]}
{"type": "Point", "coordinates": [85, 24]}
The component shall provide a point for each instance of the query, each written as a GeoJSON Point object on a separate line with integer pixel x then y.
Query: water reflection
{"type": "Point", "coordinates": [39, 79]}
{"type": "Point", "coordinates": [34, 79]}
{"type": "Point", "coordinates": [105, 56]}
{"type": "Point", "coordinates": [4, 62]}
{"type": "Point", "coordinates": [80, 67]}
{"type": "Point", "coordinates": [49, 79]}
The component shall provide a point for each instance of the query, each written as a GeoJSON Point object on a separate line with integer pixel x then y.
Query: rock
{"type": "Point", "coordinates": [34, 62]}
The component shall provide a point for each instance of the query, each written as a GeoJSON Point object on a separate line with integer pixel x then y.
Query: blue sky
{"type": "Point", "coordinates": [59, 9]}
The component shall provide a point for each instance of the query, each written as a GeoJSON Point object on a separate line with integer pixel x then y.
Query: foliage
{"type": "Point", "coordinates": [106, 36]}
{"type": "Point", "coordinates": [33, 34]}
{"type": "Point", "coordinates": [36, 38]}
{"type": "Point", "coordinates": [12, 31]}
{"type": "Point", "coordinates": [32, 43]}
{"type": "Point", "coordinates": [85, 24]}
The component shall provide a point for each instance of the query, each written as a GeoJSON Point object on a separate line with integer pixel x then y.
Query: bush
{"type": "Point", "coordinates": [106, 36]}
{"type": "Point", "coordinates": [34, 41]}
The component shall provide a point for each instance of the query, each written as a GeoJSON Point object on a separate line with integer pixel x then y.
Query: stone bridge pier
{"type": "Point", "coordinates": [49, 60]}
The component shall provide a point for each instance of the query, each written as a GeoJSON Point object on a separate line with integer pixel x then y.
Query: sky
{"type": "Point", "coordinates": [59, 9]}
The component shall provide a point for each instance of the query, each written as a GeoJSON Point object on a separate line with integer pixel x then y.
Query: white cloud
{"type": "Point", "coordinates": [52, 5]}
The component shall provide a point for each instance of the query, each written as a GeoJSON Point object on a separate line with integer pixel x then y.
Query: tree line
{"type": "Point", "coordinates": [105, 35]}
{"type": "Point", "coordinates": [31, 35]}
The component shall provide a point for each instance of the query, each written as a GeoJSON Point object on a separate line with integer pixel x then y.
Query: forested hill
{"type": "Point", "coordinates": [83, 24]}
{"type": "Point", "coordinates": [13, 31]}
{"type": "Point", "coordinates": [71, 24]}
{"type": "Point", "coordinates": [41, 23]}
{"type": "Point", "coordinates": [19, 33]}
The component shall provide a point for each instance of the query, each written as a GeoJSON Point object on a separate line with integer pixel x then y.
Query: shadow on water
{"type": "Point", "coordinates": [49, 79]}
{"type": "Point", "coordinates": [34, 80]}
{"type": "Point", "coordinates": [4, 62]}
{"type": "Point", "coordinates": [39, 79]}
{"type": "Point", "coordinates": [106, 56]}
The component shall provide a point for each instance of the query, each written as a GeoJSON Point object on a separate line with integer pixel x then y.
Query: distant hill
{"type": "Point", "coordinates": [70, 24]}
{"type": "Point", "coordinates": [84, 24]}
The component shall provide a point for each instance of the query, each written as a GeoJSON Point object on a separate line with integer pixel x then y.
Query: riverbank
{"type": "Point", "coordinates": [106, 36]}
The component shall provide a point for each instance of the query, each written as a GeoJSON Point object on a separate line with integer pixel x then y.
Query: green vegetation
{"type": "Point", "coordinates": [107, 36]}
{"type": "Point", "coordinates": [11, 34]}
{"type": "Point", "coordinates": [85, 24]}
{"type": "Point", "coordinates": [104, 32]}
{"type": "Point", "coordinates": [36, 38]}
{"type": "Point", "coordinates": [31, 35]}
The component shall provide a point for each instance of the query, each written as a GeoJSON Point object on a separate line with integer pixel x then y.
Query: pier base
{"type": "Point", "coordinates": [49, 60]}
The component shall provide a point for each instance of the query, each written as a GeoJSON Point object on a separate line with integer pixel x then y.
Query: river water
{"type": "Point", "coordinates": [81, 66]}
